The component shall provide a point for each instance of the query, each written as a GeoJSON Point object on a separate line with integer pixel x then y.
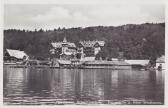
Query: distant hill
{"type": "Point", "coordinates": [144, 41]}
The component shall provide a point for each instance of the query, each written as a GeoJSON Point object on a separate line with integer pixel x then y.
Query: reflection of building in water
{"type": "Point", "coordinates": [160, 77]}
{"type": "Point", "coordinates": [81, 79]}
{"type": "Point", "coordinates": [16, 81]}
{"type": "Point", "coordinates": [99, 84]}
{"type": "Point", "coordinates": [114, 79]}
{"type": "Point", "coordinates": [152, 78]}
{"type": "Point", "coordinates": [149, 86]}
{"type": "Point", "coordinates": [114, 84]}
{"type": "Point", "coordinates": [107, 85]}
{"type": "Point", "coordinates": [160, 85]}
{"type": "Point", "coordinates": [77, 84]}
{"type": "Point", "coordinates": [87, 85]}
{"type": "Point", "coordinates": [96, 85]}
{"type": "Point", "coordinates": [153, 90]}
{"type": "Point", "coordinates": [124, 76]}
{"type": "Point", "coordinates": [67, 83]}
{"type": "Point", "coordinates": [55, 83]}
{"type": "Point", "coordinates": [125, 88]}
{"type": "Point", "coordinates": [39, 81]}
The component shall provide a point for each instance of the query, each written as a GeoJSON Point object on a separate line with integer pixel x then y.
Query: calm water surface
{"type": "Point", "coordinates": [38, 86]}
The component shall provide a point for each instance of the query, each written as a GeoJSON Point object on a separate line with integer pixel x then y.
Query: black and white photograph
{"type": "Point", "coordinates": [84, 54]}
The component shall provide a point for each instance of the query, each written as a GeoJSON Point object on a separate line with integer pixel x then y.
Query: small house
{"type": "Point", "coordinates": [11, 55]}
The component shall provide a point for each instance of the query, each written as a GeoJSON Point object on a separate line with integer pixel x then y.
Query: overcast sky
{"type": "Point", "coordinates": [72, 15]}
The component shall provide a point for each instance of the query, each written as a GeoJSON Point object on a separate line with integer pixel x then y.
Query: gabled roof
{"type": "Point", "coordinates": [71, 44]}
{"type": "Point", "coordinates": [16, 53]}
{"type": "Point", "coordinates": [56, 44]}
{"type": "Point", "coordinates": [60, 44]}
{"type": "Point", "coordinates": [65, 40]}
{"type": "Point", "coordinates": [91, 43]}
{"type": "Point", "coordinates": [87, 43]}
{"type": "Point", "coordinates": [101, 43]}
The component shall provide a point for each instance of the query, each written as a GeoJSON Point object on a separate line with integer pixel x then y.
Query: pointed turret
{"type": "Point", "coordinates": [65, 40]}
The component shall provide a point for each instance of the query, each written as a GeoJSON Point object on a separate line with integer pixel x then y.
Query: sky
{"type": "Point", "coordinates": [48, 16]}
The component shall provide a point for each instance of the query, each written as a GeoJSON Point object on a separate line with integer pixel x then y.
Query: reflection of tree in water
{"type": "Point", "coordinates": [124, 88]}
{"type": "Point", "coordinates": [5, 77]}
{"type": "Point", "coordinates": [55, 83]}
{"type": "Point", "coordinates": [152, 77]}
{"type": "Point", "coordinates": [77, 85]}
{"type": "Point", "coordinates": [152, 85]}
{"type": "Point", "coordinates": [94, 85]}
{"type": "Point", "coordinates": [99, 84]}
{"type": "Point", "coordinates": [156, 90]}
{"type": "Point", "coordinates": [107, 85]}
{"type": "Point", "coordinates": [114, 84]}
{"type": "Point", "coordinates": [84, 85]}
{"type": "Point", "coordinates": [87, 85]}
{"type": "Point", "coordinates": [39, 81]}
{"type": "Point", "coordinates": [67, 83]}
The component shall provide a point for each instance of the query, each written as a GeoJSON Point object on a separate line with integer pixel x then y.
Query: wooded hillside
{"type": "Point", "coordinates": [144, 41]}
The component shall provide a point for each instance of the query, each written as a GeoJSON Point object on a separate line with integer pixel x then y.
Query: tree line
{"type": "Point", "coordinates": [143, 41]}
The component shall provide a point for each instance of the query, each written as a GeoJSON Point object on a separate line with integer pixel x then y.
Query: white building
{"type": "Point", "coordinates": [160, 62]}
{"type": "Point", "coordinates": [91, 48]}
{"type": "Point", "coordinates": [64, 49]}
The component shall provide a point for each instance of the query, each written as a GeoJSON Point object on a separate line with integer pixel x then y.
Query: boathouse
{"type": "Point", "coordinates": [11, 55]}
{"type": "Point", "coordinates": [102, 64]}
{"type": "Point", "coordinates": [137, 63]}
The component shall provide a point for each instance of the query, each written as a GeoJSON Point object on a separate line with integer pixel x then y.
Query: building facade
{"type": "Point", "coordinates": [63, 50]}
{"type": "Point", "coordinates": [91, 48]}
{"type": "Point", "coordinates": [67, 51]}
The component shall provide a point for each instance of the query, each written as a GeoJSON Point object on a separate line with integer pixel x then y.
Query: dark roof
{"type": "Point", "coordinates": [60, 44]}
{"type": "Point", "coordinates": [64, 42]}
{"type": "Point", "coordinates": [91, 43]}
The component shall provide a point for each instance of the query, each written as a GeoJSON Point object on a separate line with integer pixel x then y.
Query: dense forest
{"type": "Point", "coordinates": [142, 41]}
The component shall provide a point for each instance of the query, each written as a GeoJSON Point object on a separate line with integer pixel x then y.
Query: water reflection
{"type": "Point", "coordinates": [48, 86]}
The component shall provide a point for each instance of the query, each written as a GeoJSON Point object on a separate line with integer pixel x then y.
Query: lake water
{"type": "Point", "coordinates": [45, 86]}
